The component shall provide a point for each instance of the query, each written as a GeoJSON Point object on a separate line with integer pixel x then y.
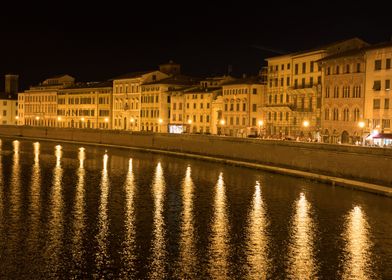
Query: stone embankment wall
{"type": "Point", "coordinates": [367, 164]}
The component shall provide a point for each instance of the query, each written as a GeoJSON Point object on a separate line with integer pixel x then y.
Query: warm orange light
{"type": "Point", "coordinates": [132, 120]}
{"type": "Point", "coordinates": [82, 119]}
{"type": "Point", "coordinates": [160, 121]}
{"type": "Point", "coordinates": [37, 118]}
{"type": "Point", "coordinates": [189, 121]}
{"type": "Point", "coordinates": [261, 123]}
{"type": "Point", "coordinates": [306, 123]}
{"type": "Point", "coordinates": [361, 124]}
{"type": "Point", "coordinates": [106, 120]}
{"type": "Point", "coordinates": [222, 122]}
{"type": "Point", "coordinates": [59, 118]}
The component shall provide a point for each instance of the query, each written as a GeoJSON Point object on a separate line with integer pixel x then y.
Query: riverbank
{"type": "Point", "coordinates": [363, 168]}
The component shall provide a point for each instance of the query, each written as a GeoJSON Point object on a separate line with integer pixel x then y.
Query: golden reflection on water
{"type": "Point", "coordinates": [15, 185]}
{"type": "Point", "coordinates": [258, 239]}
{"type": "Point", "coordinates": [219, 247]}
{"type": "Point", "coordinates": [302, 260]}
{"type": "Point", "coordinates": [358, 261]}
{"type": "Point", "coordinates": [55, 225]}
{"type": "Point", "coordinates": [79, 213]}
{"type": "Point", "coordinates": [158, 249]}
{"type": "Point", "coordinates": [102, 256]}
{"type": "Point", "coordinates": [1, 190]}
{"type": "Point", "coordinates": [129, 247]}
{"type": "Point", "coordinates": [35, 191]}
{"type": "Point", "coordinates": [187, 258]}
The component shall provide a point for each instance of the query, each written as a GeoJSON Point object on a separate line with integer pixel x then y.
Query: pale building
{"type": "Point", "coordinates": [37, 106]}
{"type": "Point", "coordinates": [295, 91]}
{"type": "Point", "coordinates": [127, 98]}
{"type": "Point", "coordinates": [195, 109]}
{"type": "Point", "coordinates": [243, 100]}
{"type": "Point", "coordinates": [9, 101]}
{"type": "Point", "coordinates": [378, 108]}
{"type": "Point", "coordinates": [85, 105]}
{"type": "Point", "coordinates": [344, 96]}
{"type": "Point", "coordinates": [156, 110]}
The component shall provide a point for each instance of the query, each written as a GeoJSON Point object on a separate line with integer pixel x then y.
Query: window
{"type": "Point", "coordinates": [296, 69]}
{"type": "Point", "coordinates": [377, 85]}
{"type": "Point", "coordinates": [386, 103]}
{"type": "Point", "coordinates": [282, 67]}
{"type": "Point", "coordinates": [276, 99]}
{"type": "Point", "coordinates": [358, 67]}
{"type": "Point", "coordinates": [386, 123]}
{"type": "Point", "coordinates": [4, 113]}
{"type": "Point", "coordinates": [194, 105]}
{"type": "Point", "coordinates": [336, 92]}
{"type": "Point", "coordinates": [281, 82]}
{"type": "Point", "coordinates": [357, 92]}
{"type": "Point", "coordinates": [287, 116]}
{"type": "Point", "coordinates": [244, 106]}
{"type": "Point", "coordinates": [254, 107]}
{"type": "Point", "coordinates": [318, 102]}
{"type": "Point", "coordinates": [311, 66]}
{"type": "Point", "coordinates": [304, 67]}
{"type": "Point", "coordinates": [327, 92]}
{"type": "Point", "coordinates": [376, 103]}
{"type": "Point", "coordinates": [288, 81]}
{"type": "Point", "coordinates": [337, 69]}
{"type": "Point", "coordinates": [377, 64]}
{"type": "Point", "coordinates": [281, 98]}
{"type": "Point", "coordinates": [311, 81]}
{"type": "Point", "coordinates": [277, 67]}
{"type": "Point", "coordinates": [174, 106]}
{"type": "Point", "coordinates": [296, 83]}
{"type": "Point", "coordinates": [226, 107]}
{"type": "Point", "coordinates": [346, 115]}
{"type": "Point", "coordinates": [347, 68]}
{"type": "Point", "coordinates": [238, 107]}
{"type": "Point", "coordinates": [303, 82]}
{"type": "Point", "coordinates": [329, 71]}
{"type": "Point", "coordinates": [318, 80]}
{"type": "Point", "coordinates": [276, 82]}
{"type": "Point", "coordinates": [4, 103]}
{"type": "Point", "coordinates": [356, 114]}
{"type": "Point", "coordinates": [336, 114]}
{"type": "Point", "coordinates": [232, 107]}
{"type": "Point", "coordinates": [270, 99]}
{"type": "Point", "coordinates": [326, 114]}
{"type": "Point", "coordinates": [388, 64]}
{"type": "Point", "coordinates": [201, 119]}
{"type": "Point", "coordinates": [254, 91]}
{"type": "Point", "coordinates": [310, 104]}
{"type": "Point", "coordinates": [387, 84]}
{"type": "Point", "coordinates": [275, 115]}
{"type": "Point", "coordinates": [237, 121]}
{"type": "Point", "coordinates": [280, 116]}
{"type": "Point", "coordinates": [288, 66]}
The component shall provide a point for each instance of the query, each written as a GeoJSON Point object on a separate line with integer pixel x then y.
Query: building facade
{"type": "Point", "coordinates": [37, 106]}
{"type": "Point", "coordinates": [9, 101]}
{"type": "Point", "coordinates": [85, 105]}
{"type": "Point", "coordinates": [243, 100]}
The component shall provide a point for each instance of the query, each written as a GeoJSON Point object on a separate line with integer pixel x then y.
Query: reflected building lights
{"type": "Point", "coordinates": [187, 258]}
{"type": "Point", "coordinates": [55, 224]}
{"type": "Point", "coordinates": [15, 196]}
{"type": "Point", "coordinates": [102, 257]}
{"type": "Point", "coordinates": [302, 259]}
{"type": "Point", "coordinates": [158, 246]}
{"type": "Point", "coordinates": [129, 246]}
{"type": "Point", "coordinates": [258, 239]}
{"type": "Point", "coordinates": [357, 259]}
{"type": "Point", "coordinates": [1, 193]}
{"type": "Point", "coordinates": [219, 248]}
{"type": "Point", "coordinates": [79, 214]}
{"type": "Point", "coordinates": [35, 192]}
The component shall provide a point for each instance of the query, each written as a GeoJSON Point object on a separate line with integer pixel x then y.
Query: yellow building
{"type": "Point", "coordinates": [378, 109]}
{"type": "Point", "coordinates": [38, 105]}
{"type": "Point", "coordinates": [198, 108]}
{"type": "Point", "coordinates": [242, 103]}
{"type": "Point", "coordinates": [344, 96]}
{"type": "Point", "coordinates": [156, 110]}
{"type": "Point", "coordinates": [295, 91]}
{"type": "Point", "coordinates": [85, 105]}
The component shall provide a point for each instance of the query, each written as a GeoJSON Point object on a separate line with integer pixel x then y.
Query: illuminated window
{"type": "Point", "coordinates": [376, 103]}
{"type": "Point", "coordinates": [377, 64]}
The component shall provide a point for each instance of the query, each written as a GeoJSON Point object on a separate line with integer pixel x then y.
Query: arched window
{"type": "Point", "coordinates": [335, 114]}
{"type": "Point", "coordinates": [356, 114]}
{"type": "Point", "coordinates": [326, 114]}
{"type": "Point", "coordinates": [346, 115]}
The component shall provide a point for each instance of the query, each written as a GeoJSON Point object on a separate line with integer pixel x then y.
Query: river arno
{"type": "Point", "coordinates": [68, 211]}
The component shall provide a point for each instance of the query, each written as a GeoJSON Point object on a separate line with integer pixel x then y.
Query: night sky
{"type": "Point", "coordinates": [99, 41]}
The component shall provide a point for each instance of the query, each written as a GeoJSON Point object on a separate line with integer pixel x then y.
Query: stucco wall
{"type": "Point", "coordinates": [360, 163]}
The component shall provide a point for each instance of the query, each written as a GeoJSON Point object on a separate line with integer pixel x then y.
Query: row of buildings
{"type": "Point", "coordinates": [334, 93]}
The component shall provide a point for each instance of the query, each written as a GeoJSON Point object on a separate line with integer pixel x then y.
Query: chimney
{"type": "Point", "coordinates": [11, 85]}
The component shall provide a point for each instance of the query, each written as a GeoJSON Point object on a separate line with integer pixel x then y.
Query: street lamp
{"type": "Point", "coordinates": [222, 122]}
{"type": "Point", "coordinates": [58, 121]}
{"type": "Point", "coordinates": [160, 121]}
{"type": "Point", "coordinates": [260, 125]}
{"type": "Point", "coordinates": [306, 125]}
{"type": "Point", "coordinates": [361, 124]}
{"type": "Point", "coordinates": [106, 120]}
{"type": "Point", "coordinates": [189, 122]}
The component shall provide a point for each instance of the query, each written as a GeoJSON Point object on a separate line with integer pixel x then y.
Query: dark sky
{"type": "Point", "coordinates": [99, 41]}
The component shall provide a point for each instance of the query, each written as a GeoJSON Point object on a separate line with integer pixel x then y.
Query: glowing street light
{"type": "Point", "coordinates": [261, 122]}
{"type": "Point", "coordinates": [361, 124]}
{"type": "Point", "coordinates": [222, 122]}
{"type": "Point", "coordinates": [190, 121]}
{"type": "Point", "coordinates": [17, 117]}
{"type": "Point", "coordinates": [305, 123]}
{"type": "Point", "coordinates": [37, 118]}
{"type": "Point", "coordinates": [132, 120]}
{"type": "Point", "coordinates": [160, 121]}
{"type": "Point", "coordinates": [82, 119]}
{"type": "Point", "coordinates": [106, 120]}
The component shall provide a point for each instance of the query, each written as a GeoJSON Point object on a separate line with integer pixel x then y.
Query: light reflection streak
{"type": "Point", "coordinates": [79, 214]}
{"type": "Point", "coordinates": [219, 248]}
{"type": "Point", "coordinates": [1, 191]}
{"type": "Point", "coordinates": [129, 246]}
{"type": "Point", "coordinates": [35, 192]}
{"type": "Point", "coordinates": [258, 239]}
{"type": "Point", "coordinates": [302, 260]}
{"type": "Point", "coordinates": [158, 249]}
{"type": "Point", "coordinates": [55, 224]}
{"type": "Point", "coordinates": [187, 258]}
{"type": "Point", "coordinates": [357, 258]}
{"type": "Point", "coordinates": [102, 257]}
{"type": "Point", "coordinates": [15, 185]}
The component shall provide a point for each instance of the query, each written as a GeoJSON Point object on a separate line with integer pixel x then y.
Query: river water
{"type": "Point", "coordinates": [70, 212]}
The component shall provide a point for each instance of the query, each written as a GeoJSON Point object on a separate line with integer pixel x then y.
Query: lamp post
{"type": "Point", "coordinates": [190, 123]}
{"type": "Point", "coordinates": [58, 121]}
{"type": "Point", "coordinates": [132, 123]}
{"type": "Point", "coordinates": [222, 123]}
{"type": "Point", "coordinates": [160, 121]}
{"type": "Point", "coordinates": [82, 119]}
{"type": "Point", "coordinates": [106, 121]}
{"type": "Point", "coordinates": [305, 125]}
{"type": "Point", "coordinates": [361, 124]}
{"type": "Point", "coordinates": [260, 125]}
